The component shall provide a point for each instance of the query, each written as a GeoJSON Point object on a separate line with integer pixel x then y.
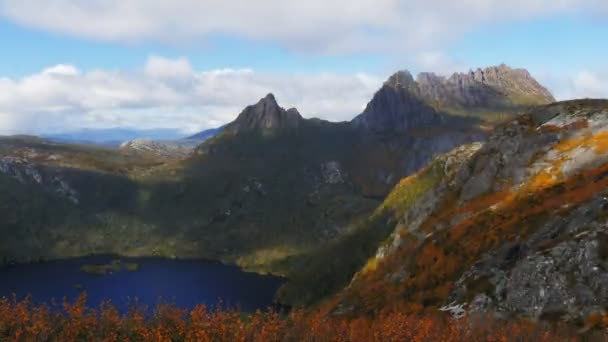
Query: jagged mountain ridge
{"type": "Point", "coordinates": [404, 102]}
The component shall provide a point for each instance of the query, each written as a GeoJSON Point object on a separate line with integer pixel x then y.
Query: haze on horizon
{"type": "Point", "coordinates": [190, 65]}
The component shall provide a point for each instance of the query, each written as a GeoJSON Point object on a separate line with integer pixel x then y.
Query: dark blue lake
{"type": "Point", "coordinates": [183, 282]}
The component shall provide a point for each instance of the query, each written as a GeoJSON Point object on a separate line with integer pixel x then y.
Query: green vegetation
{"type": "Point", "coordinates": [409, 189]}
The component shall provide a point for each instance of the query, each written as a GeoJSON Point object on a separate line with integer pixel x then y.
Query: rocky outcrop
{"type": "Point", "coordinates": [264, 116]}
{"type": "Point", "coordinates": [332, 172]}
{"type": "Point", "coordinates": [27, 173]}
{"type": "Point", "coordinates": [156, 148]}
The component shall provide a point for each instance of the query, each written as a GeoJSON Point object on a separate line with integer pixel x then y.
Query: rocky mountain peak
{"type": "Point", "coordinates": [269, 99]}
{"type": "Point", "coordinates": [265, 115]}
{"type": "Point", "coordinates": [397, 106]}
{"type": "Point", "coordinates": [405, 103]}
{"type": "Point", "coordinates": [400, 79]}
{"type": "Point", "coordinates": [517, 85]}
{"type": "Point", "coordinates": [429, 78]}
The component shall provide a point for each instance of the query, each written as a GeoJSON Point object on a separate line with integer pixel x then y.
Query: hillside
{"type": "Point", "coordinates": [513, 226]}
{"type": "Point", "coordinates": [273, 192]}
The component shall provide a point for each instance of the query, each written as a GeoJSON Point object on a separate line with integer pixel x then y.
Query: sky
{"type": "Point", "coordinates": [189, 65]}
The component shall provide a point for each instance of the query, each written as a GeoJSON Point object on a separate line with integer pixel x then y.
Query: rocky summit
{"type": "Point", "coordinates": [266, 115]}
{"type": "Point", "coordinates": [491, 94]}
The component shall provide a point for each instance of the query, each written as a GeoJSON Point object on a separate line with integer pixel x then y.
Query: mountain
{"type": "Point", "coordinates": [171, 149]}
{"type": "Point", "coordinates": [205, 135]}
{"type": "Point", "coordinates": [164, 149]}
{"type": "Point", "coordinates": [112, 137]}
{"type": "Point", "coordinates": [266, 115]}
{"type": "Point", "coordinates": [272, 192]}
{"type": "Point", "coordinates": [514, 226]}
{"type": "Point", "coordinates": [491, 94]}
{"type": "Point", "coordinates": [397, 106]}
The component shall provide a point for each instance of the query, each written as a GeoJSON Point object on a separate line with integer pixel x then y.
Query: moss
{"type": "Point", "coordinates": [96, 269]}
{"type": "Point", "coordinates": [410, 189]}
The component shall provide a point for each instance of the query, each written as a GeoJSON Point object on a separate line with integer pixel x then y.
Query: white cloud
{"type": "Point", "coordinates": [591, 85]}
{"type": "Point", "coordinates": [168, 93]}
{"type": "Point", "coordinates": [579, 84]}
{"type": "Point", "coordinates": [312, 25]}
{"type": "Point", "coordinates": [163, 68]}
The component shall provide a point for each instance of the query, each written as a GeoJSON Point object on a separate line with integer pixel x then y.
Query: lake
{"type": "Point", "coordinates": [185, 283]}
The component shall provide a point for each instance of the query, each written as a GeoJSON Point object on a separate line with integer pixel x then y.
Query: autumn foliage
{"type": "Point", "coordinates": [432, 265]}
{"type": "Point", "coordinates": [22, 321]}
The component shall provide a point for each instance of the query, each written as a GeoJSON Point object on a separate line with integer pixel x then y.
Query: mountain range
{"type": "Point", "coordinates": [433, 197]}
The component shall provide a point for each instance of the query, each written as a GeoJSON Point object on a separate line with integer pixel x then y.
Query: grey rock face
{"type": "Point", "coordinates": [559, 270]}
{"type": "Point", "coordinates": [266, 115]}
{"type": "Point", "coordinates": [332, 172]}
{"type": "Point", "coordinates": [27, 173]}
{"type": "Point", "coordinates": [396, 107]}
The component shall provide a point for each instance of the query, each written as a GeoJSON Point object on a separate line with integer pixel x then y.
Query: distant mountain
{"type": "Point", "coordinates": [266, 115]}
{"type": "Point", "coordinates": [206, 134]}
{"type": "Point", "coordinates": [166, 149]}
{"type": "Point", "coordinates": [175, 149]}
{"type": "Point", "coordinates": [491, 95]}
{"type": "Point", "coordinates": [113, 136]}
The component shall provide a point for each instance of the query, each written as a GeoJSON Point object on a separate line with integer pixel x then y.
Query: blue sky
{"type": "Point", "coordinates": [33, 50]}
{"type": "Point", "coordinates": [191, 65]}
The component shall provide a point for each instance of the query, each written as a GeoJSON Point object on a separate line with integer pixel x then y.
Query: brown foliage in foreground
{"type": "Point", "coordinates": [22, 321]}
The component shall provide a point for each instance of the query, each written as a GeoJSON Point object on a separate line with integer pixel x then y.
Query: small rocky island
{"type": "Point", "coordinates": [112, 267]}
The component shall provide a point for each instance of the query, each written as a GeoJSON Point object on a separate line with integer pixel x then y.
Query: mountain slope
{"type": "Point", "coordinates": [518, 228]}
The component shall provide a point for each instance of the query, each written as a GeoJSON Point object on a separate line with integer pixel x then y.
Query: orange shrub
{"type": "Point", "coordinates": [22, 321]}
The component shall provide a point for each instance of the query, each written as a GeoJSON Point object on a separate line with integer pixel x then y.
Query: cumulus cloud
{"type": "Point", "coordinates": [580, 84]}
{"type": "Point", "coordinates": [313, 26]}
{"type": "Point", "coordinates": [168, 93]}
